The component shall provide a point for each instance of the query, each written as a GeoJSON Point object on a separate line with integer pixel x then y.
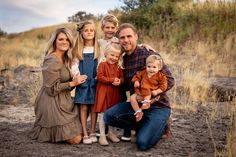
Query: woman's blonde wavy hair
{"type": "Point", "coordinates": [51, 45]}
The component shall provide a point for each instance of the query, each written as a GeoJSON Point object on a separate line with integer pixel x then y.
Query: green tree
{"type": "Point", "coordinates": [136, 4]}
{"type": "Point", "coordinates": [81, 16]}
{"type": "Point", "coordinates": [2, 32]}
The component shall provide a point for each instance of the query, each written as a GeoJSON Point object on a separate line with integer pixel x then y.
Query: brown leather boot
{"type": "Point", "coordinates": [168, 134]}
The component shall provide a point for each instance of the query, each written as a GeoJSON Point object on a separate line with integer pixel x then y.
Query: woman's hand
{"type": "Point", "coordinates": [78, 79]}
{"type": "Point", "coordinates": [81, 79]}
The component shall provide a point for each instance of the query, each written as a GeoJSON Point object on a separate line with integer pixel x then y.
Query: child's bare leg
{"type": "Point", "coordinates": [127, 93]}
{"type": "Point", "coordinates": [134, 102]}
{"type": "Point", "coordinates": [146, 102]}
{"type": "Point", "coordinates": [93, 125]}
{"type": "Point", "coordinates": [83, 117]}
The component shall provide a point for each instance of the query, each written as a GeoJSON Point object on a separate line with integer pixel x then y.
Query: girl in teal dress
{"type": "Point", "coordinates": [86, 51]}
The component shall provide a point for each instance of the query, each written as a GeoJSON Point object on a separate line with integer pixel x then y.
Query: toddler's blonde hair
{"type": "Point", "coordinates": [153, 58]}
{"type": "Point", "coordinates": [114, 47]}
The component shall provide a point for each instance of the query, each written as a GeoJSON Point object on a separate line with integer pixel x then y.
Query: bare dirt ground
{"type": "Point", "coordinates": [199, 132]}
{"type": "Point", "coordinates": [195, 133]}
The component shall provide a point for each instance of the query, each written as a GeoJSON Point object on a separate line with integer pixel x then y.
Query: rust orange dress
{"type": "Point", "coordinates": [107, 94]}
{"type": "Point", "coordinates": [147, 85]}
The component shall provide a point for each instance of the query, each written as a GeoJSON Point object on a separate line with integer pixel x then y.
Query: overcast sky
{"type": "Point", "coordinates": [22, 15]}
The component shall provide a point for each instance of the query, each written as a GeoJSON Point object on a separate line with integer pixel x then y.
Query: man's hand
{"type": "Point", "coordinates": [139, 115]}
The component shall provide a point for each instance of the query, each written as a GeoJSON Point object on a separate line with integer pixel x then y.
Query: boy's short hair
{"type": "Point", "coordinates": [153, 58]}
{"type": "Point", "coordinates": [110, 18]}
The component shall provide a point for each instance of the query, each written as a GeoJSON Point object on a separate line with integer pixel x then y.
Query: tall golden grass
{"type": "Point", "coordinates": [197, 61]}
{"type": "Point", "coordinates": [26, 47]}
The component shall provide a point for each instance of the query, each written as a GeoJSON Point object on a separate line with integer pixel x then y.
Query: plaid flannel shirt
{"type": "Point", "coordinates": [136, 62]}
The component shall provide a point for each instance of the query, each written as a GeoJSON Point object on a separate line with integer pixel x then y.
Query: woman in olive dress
{"type": "Point", "coordinates": [57, 117]}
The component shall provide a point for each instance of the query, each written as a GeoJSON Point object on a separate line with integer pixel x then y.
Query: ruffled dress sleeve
{"type": "Point", "coordinates": [51, 75]}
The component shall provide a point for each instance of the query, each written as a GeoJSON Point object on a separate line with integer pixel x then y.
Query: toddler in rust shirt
{"type": "Point", "coordinates": [147, 83]}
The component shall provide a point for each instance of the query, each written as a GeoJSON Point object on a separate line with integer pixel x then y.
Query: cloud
{"type": "Point", "coordinates": [44, 8]}
{"type": "Point", "coordinates": [27, 14]}
{"type": "Point", "coordinates": [16, 19]}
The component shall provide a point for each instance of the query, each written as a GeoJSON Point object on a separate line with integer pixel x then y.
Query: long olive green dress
{"type": "Point", "coordinates": [56, 116]}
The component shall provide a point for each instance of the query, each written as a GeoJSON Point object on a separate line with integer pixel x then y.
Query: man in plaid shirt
{"type": "Point", "coordinates": [152, 126]}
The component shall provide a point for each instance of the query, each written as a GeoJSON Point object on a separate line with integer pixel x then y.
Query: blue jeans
{"type": "Point", "coordinates": [148, 131]}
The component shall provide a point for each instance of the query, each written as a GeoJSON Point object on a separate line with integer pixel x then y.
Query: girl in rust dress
{"type": "Point", "coordinates": [110, 77]}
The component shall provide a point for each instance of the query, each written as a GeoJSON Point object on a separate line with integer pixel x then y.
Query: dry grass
{"type": "Point", "coordinates": [211, 4]}
{"type": "Point", "coordinates": [16, 52]}
{"type": "Point", "coordinates": [26, 47]}
{"type": "Point", "coordinates": [193, 64]}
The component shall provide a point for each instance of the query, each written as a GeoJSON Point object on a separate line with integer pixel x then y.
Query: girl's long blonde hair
{"type": "Point", "coordinates": [80, 42]}
{"type": "Point", "coordinates": [51, 45]}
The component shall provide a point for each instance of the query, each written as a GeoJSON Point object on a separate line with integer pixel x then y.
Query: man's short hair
{"type": "Point", "coordinates": [127, 25]}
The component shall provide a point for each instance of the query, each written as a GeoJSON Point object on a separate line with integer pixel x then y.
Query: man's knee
{"type": "Point", "coordinates": [108, 118]}
{"type": "Point", "coordinates": [143, 144]}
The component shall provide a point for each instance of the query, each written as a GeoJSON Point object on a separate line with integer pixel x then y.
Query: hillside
{"type": "Point", "coordinates": [26, 47]}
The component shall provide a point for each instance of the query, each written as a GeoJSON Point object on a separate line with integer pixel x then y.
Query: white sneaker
{"type": "Point", "coordinates": [87, 140]}
{"type": "Point", "coordinates": [97, 134]}
{"type": "Point", "coordinates": [93, 138]}
{"type": "Point", "coordinates": [126, 139]}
